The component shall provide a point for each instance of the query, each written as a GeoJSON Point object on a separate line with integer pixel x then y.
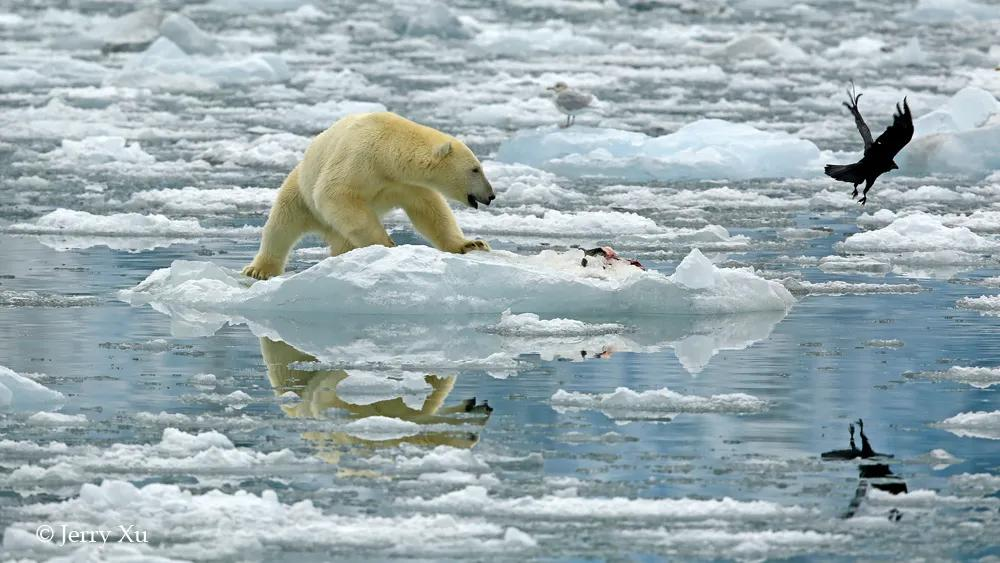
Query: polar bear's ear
{"type": "Point", "coordinates": [442, 150]}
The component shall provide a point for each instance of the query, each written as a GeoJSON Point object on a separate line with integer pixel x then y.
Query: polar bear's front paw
{"type": "Point", "coordinates": [260, 272]}
{"type": "Point", "coordinates": [472, 245]}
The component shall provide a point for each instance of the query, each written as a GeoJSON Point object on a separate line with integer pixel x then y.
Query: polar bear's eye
{"type": "Point", "coordinates": [475, 170]}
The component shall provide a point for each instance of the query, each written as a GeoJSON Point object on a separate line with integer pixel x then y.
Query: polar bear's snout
{"type": "Point", "coordinates": [484, 194]}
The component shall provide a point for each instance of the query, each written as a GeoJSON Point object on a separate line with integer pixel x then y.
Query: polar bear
{"type": "Point", "coordinates": [360, 168]}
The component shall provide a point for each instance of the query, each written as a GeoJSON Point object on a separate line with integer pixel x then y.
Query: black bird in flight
{"type": "Point", "coordinates": [878, 154]}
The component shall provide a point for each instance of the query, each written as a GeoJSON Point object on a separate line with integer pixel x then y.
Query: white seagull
{"type": "Point", "coordinates": [569, 101]}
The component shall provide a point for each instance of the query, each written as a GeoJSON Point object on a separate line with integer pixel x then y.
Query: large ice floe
{"type": "Point", "coordinates": [429, 296]}
{"type": "Point", "coordinates": [959, 137]}
{"type": "Point", "coordinates": [418, 280]}
{"type": "Point", "coordinates": [705, 149]}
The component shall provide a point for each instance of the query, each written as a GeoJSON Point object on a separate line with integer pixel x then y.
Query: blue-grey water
{"type": "Point", "coordinates": [529, 479]}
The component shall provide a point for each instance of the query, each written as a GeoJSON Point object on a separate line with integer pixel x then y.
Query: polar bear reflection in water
{"type": "Point", "coordinates": [317, 391]}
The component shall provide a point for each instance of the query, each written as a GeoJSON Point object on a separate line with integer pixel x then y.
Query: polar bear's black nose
{"type": "Point", "coordinates": [492, 197]}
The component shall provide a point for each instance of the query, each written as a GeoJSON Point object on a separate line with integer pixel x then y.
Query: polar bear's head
{"type": "Point", "coordinates": [458, 175]}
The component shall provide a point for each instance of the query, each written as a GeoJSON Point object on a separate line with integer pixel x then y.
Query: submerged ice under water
{"type": "Point", "coordinates": [544, 408]}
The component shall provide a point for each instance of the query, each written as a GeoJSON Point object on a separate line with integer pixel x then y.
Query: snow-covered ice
{"type": "Point", "coordinates": [404, 280]}
{"type": "Point", "coordinates": [706, 149]}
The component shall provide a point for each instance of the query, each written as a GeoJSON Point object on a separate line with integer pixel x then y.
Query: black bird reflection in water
{"type": "Point", "coordinates": [872, 474]}
{"type": "Point", "coordinates": [317, 391]}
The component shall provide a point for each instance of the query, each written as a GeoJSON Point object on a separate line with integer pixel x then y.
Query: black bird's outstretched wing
{"type": "Point", "coordinates": [897, 135]}
{"type": "Point", "coordinates": [866, 133]}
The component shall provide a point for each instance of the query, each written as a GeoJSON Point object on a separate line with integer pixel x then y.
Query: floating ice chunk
{"type": "Point", "coordinates": [21, 78]}
{"type": "Point", "coordinates": [976, 483]}
{"type": "Point", "coordinates": [14, 298]}
{"type": "Point", "coordinates": [858, 47]}
{"type": "Point", "coordinates": [986, 304]}
{"type": "Point", "coordinates": [198, 201]}
{"type": "Point", "coordinates": [420, 280]}
{"type": "Point", "coordinates": [960, 137]}
{"type": "Point", "coordinates": [103, 149]}
{"type": "Point", "coordinates": [802, 287]}
{"type": "Point", "coordinates": [313, 118]}
{"type": "Point", "coordinates": [18, 393]}
{"type": "Point", "coordinates": [205, 379]}
{"type": "Point", "coordinates": [441, 458]}
{"type": "Point", "coordinates": [981, 424]}
{"type": "Point", "coordinates": [560, 223]}
{"type": "Point", "coordinates": [283, 150]}
{"type": "Point", "coordinates": [943, 11]}
{"type": "Point", "coordinates": [453, 477]}
{"type": "Point", "coordinates": [57, 419]}
{"type": "Point", "coordinates": [243, 6]}
{"type": "Point", "coordinates": [760, 46]}
{"type": "Point", "coordinates": [844, 264]}
{"type": "Point", "coordinates": [364, 387]}
{"type": "Point", "coordinates": [164, 65]}
{"type": "Point", "coordinates": [518, 184]}
{"type": "Point", "coordinates": [559, 39]}
{"type": "Point", "coordinates": [529, 324]}
{"type": "Point", "coordinates": [968, 109]}
{"type": "Point", "coordinates": [978, 377]}
{"type": "Point", "coordinates": [705, 149]}
{"type": "Point", "coordinates": [129, 32]}
{"type": "Point", "coordinates": [883, 343]}
{"type": "Point", "coordinates": [257, 523]}
{"type": "Point", "coordinates": [70, 222]}
{"type": "Point", "coordinates": [188, 36]}
{"type": "Point", "coordinates": [757, 545]}
{"type": "Point", "coordinates": [382, 428]}
{"type": "Point", "coordinates": [475, 499]}
{"type": "Point", "coordinates": [426, 17]}
{"type": "Point", "coordinates": [918, 232]}
{"type": "Point", "coordinates": [626, 404]}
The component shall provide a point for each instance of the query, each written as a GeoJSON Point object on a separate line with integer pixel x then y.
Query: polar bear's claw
{"type": "Point", "coordinates": [475, 245]}
{"type": "Point", "coordinates": [258, 272]}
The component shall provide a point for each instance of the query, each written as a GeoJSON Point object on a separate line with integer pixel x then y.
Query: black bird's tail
{"type": "Point", "coordinates": [845, 173]}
